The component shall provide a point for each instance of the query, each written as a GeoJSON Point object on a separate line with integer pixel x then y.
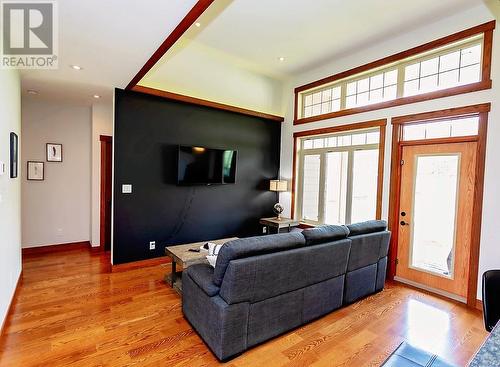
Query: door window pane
{"type": "Point", "coordinates": [434, 213]}
{"type": "Point", "coordinates": [310, 196]}
{"type": "Point", "coordinates": [364, 185]}
{"type": "Point", "coordinates": [336, 187]}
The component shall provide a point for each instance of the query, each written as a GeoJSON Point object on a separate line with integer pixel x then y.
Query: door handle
{"type": "Point", "coordinates": [403, 223]}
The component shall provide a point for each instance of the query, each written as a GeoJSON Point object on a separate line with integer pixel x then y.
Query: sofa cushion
{"type": "Point", "coordinates": [369, 226]}
{"type": "Point", "coordinates": [253, 246]}
{"type": "Point", "coordinates": [202, 275]}
{"type": "Point", "coordinates": [322, 234]}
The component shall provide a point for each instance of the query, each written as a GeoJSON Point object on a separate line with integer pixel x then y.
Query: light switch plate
{"type": "Point", "coordinates": [2, 168]}
{"type": "Point", "coordinates": [126, 189]}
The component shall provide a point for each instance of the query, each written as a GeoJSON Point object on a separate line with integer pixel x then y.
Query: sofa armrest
{"type": "Point", "coordinates": [202, 275]}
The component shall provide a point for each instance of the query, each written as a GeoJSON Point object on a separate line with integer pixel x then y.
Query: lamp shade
{"type": "Point", "coordinates": [278, 185]}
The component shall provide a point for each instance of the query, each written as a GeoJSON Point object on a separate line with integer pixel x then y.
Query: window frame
{"type": "Point", "coordinates": [298, 157]}
{"type": "Point", "coordinates": [482, 33]}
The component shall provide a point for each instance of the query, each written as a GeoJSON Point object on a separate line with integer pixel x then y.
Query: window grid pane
{"type": "Point", "coordinates": [322, 101]}
{"type": "Point", "coordinates": [374, 89]}
{"type": "Point", "coordinates": [449, 70]}
{"type": "Point", "coordinates": [339, 177]}
{"type": "Point", "coordinates": [466, 126]}
{"type": "Point", "coordinates": [344, 140]}
{"type": "Point", "coordinates": [460, 65]}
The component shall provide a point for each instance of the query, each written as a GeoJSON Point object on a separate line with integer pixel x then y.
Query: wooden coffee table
{"type": "Point", "coordinates": [181, 255]}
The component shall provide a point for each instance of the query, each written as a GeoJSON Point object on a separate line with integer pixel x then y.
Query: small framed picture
{"type": "Point", "coordinates": [35, 171]}
{"type": "Point", "coordinates": [14, 144]}
{"type": "Point", "coordinates": [54, 152]}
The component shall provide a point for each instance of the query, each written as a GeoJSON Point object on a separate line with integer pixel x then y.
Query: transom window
{"type": "Point", "coordinates": [459, 67]}
{"type": "Point", "coordinates": [377, 88]}
{"type": "Point", "coordinates": [449, 128]}
{"type": "Point", "coordinates": [338, 177]}
{"type": "Point", "coordinates": [449, 66]}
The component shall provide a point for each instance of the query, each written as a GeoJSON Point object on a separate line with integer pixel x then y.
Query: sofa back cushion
{"type": "Point", "coordinates": [256, 278]}
{"type": "Point", "coordinates": [253, 246]}
{"type": "Point", "coordinates": [369, 226]}
{"type": "Point", "coordinates": [324, 234]}
{"type": "Point", "coordinates": [368, 249]}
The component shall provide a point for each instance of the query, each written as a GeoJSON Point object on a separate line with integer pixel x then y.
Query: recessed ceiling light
{"type": "Point", "coordinates": [198, 24]}
{"type": "Point", "coordinates": [32, 91]}
{"type": "Point", "coordinates": [76, 67]}
{"type": "Point", "coordinates": [97, 96]}
{"type": "Point", "coordinates": [281, 58]}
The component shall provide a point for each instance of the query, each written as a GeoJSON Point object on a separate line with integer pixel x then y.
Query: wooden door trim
{"type": "Point", "coordinates": [480, 110]}
{"type": "Point", "coordinates": [102, 230]}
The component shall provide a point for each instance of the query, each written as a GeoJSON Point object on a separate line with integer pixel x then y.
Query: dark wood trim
{"type": "Point", "coordinates": [442, 114]}
{"type": "Point", "coordinates": [395, 185]}
{"type": "Point", "coordinates": [141, 264]}
{"type": "Point", "coordinates": [394, 200]}
{"type": "Point", "coordinates": [12, 303]}
{"type": "Point", "coordinates": [205, 103]}
{"type": "Point", "coordinates": [341, 128]}
{"type": "Point", "coordinates": [479, 305]}
{"type": "Point", "coordinates": [482, 28]}
{"type": "Point", "coordinates": [473, 87]}
{"type": "Point", "coordinates": [102, 184]}
{"type": "Point", "coordinates": [458, 139]}
{"type": "Point", "coordinates": [381, 123]}
{"type": "Point", "coordinates": [56, 248]}
{"type": "Point", "coordinates": [107, 138]}
{"type": "Point", "coordinates": [485, 83]}
{"type": "Point", "coordinates": [477, 211]}
{"type": "Point", "coordinates": [182, 27]}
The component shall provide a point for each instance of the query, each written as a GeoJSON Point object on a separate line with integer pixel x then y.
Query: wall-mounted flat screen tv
{"type": "Point", "coordinates": [206, 166]}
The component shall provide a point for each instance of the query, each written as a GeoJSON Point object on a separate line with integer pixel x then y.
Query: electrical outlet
{"type": "Point", "coordinates": [152, 245]}
{"type": "Point", "coordinates": [264, 230]}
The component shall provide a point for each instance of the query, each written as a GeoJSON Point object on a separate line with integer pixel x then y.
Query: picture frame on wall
{"type": "Point", "coordinates": [54, 152]}
{"type": "Point", "coordinates": [14, 154]}
{"type": "Point", "coordinates": [36, 171]}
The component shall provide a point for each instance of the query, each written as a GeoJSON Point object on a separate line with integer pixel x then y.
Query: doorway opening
{"type": "Point", "coordinates": [106, 191]}
{"type": "Point", "coordinates": [436, 200]}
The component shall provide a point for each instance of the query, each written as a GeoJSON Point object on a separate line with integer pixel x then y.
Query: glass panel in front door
{"type": "Point", "coordinates": [434, 213]}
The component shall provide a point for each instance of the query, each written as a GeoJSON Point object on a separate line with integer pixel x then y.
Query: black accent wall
{"type": "Point", "coordinates": [148, 130]}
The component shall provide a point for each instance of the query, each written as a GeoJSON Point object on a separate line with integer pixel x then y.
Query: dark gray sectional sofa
{"type": "Point", "coordinates": [264, 286]}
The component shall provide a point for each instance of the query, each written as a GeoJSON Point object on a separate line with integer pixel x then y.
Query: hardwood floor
{"type": "Point", "coordinates": [70, 311]}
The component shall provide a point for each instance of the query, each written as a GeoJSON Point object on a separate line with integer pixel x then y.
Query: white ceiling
{"type": "Point", "coordinates": [309, 33]}
{"type": "Point", "coordinates": [110, 39]}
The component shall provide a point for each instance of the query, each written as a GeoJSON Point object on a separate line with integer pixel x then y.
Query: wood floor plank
{"type": "Point", "coordinates": [71, 311]}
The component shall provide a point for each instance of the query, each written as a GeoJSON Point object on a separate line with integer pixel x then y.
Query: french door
{"type": "Point", "coordinates": [435, 216]}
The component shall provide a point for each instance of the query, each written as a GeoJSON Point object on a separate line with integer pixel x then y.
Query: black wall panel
{"type": "Point", "coordinates": [147, 132]}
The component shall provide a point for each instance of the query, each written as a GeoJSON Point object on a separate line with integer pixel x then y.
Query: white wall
{"type": "Point", "coordinates": [229, 80]}
{"type": "Point", "coordinates": [10, 190]}
{"type": "Point", "coordinates": [102, 124]}
{"type": "Point", "coordinates": [490, 235]}
{"type": "Point", "coordinates": [56, 210]}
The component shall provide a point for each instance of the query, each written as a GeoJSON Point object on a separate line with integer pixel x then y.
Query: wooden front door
{"type": "Point", "coordinates": [106, 191]}
{"type": "Point", "coordinates": [435, 216]}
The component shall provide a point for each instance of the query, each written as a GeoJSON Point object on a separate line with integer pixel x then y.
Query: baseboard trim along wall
{"type": "Point", "coordinates": [56, 247]}
{"type": "Point", "coordinates": [12, 303]}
